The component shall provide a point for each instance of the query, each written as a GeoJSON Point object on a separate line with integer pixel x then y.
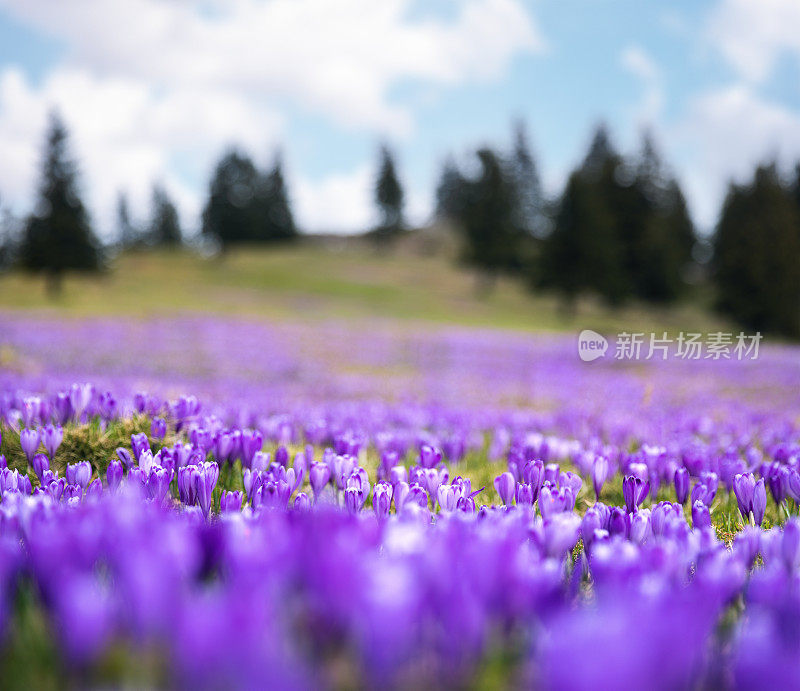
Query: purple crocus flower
{"type": "Point", "coordinates": [359, 481]}
{"type": "Point", "coordinates": [80, 395]}
{"type": "Point", "coordinates": [319, 476]}
{"type": "Point", "coordinates": [29, 441]}
{"type": "Point", "coordinates": [382, 499]}
{"type": "Point", "coordinates": [282, 455]}
{"type": "Point", "coordinates": [417, 495]}
{"type": "Point", "coordinates": [52, 438]}
{"type": "Point", "coordinates": [533, 475]}
{"type": "Point", "coordinates": [744, 485]}
{"type": "Point", "coordinates": [40, 464]}
{"type": "Point", "coordinates": [158, 428]}
{"type": "Point", "coordinates": [230, 502]}
{"type": "Point", "coordinates": [401, 490]}
{"type": "Point", "coordinates": [448, 496]}
{"type": "Point", "coordinates": [302, 502]}
{"type": "Point", "coordinates": [681, 482]}
{"type": "Point", "coordinates": [250, 441]}
{"type": "Point", "coordinates": [524, 495]}
{"type": "Point", "coordinates": [205, 479]}
{"type": "Point", "coordinates": [505, 486]}
{"type": "Point", "coordinates": [634, 491]}
{"type": "Point", "coordinates": [158, 483]}
{"type": "Point", "coordinates": [599, 474]}
{"type": "Point", "coordinates": [551, 472]}
{"type": "Point", "coordinates": [79, 474]}
{"type": "Point", "coordinates": [701, 517]}
{"type": "Point", "coordinates": [398, 473]}
{"type": "Point", "coordinates": [125, 457]}
{"type": "Point", "coordinates": [759, 502]}
{"type": "Point", "coordinates": [114, 474]}
{"type": "Point", "coordinates": [778, 481]}
{"type": "Point", "coordinates": [139, 443]}
{"type": "Point", "coordinates": [429, 456]}
{"type": "Point", "coordinates": [352, 500]}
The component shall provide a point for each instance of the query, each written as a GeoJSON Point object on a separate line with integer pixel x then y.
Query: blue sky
{"type": "Point", "coordinates": [156, 89]}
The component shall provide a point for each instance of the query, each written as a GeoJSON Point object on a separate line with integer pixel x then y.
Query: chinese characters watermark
{"type": "Point", "coordinates": [684, 346]}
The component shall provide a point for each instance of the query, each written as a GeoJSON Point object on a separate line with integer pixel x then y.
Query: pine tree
{"type": "Point", "coordinates": [58, 236]}
{"type": "Point", "coordinates": [489, 220]}
{"type": "Point", "coordinates": [450, 191]}
{"type": "Point", "coordinates": [529, 186]}
{"type": "Point", "coordinates": [165, 229]}
{"type": "Point", "coordinates": [388, 197]}
{"type": "Point", "coordinates": [756, 250]}
{"type": "Point", "coordinates": [579, 254]}
{"type": "Point", "coordinates": [659, 246]}
{"type": "Point", "coordinates": [585, 251]}
{"type": "Point", "coordinates": [276, 219]}
{"type": "Point", "coordinates": [245, 206]}
{"type": "Point", "coordinates": [128, 235]}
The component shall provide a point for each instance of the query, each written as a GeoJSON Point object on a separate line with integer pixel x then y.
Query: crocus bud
{"type": "Point", "coordinates": [250, 441]}
{"type": "Point", "coordinates": [94, 490]}
{"type": "Point", "coordinates": [352, 500]}
{"type": "Point", "coordinates": [759, 502]}
{"type": "Point", "coordinates": [429, 456]}
{"type": "Point", "coordinates": [744, 485]}
{"type": "Point", "coordinates": [599, 474]}
{"type": "Point", "coordinates": [230, 502]}
{"type": "Point", "coordinates": [24, 485]}
{"type": "Point", "coordinates": [261, 461]}
{"type": "Point", "coordinates": [505, 486]}
{"type": "Point", "coordinates": [551, 471]}
{"type": "Point", "coordinates": [79, 474]}
{"type": "Point", "coordinates": [282, 456]}
{"type": "Point", "coordinates": [382, 499]}
{"type": "Point", "coordinates": [80, 395]}
{"type": "Point", "coordinates": [701, 517]}
{"type": "Point", "coordinates": [40, 464]}
{"type": "Point", "coordinates": [139, 444]}
{"type": "Point", "coordinates": [318, 476]}
{"type": "Point", "coordinates": [524, 495]}
{"type": "Point", "coordinates": [401, 490]}
{"type": "Point", "coordinates": [302, 502]}
{"type": "Point", "coordinates": [634, 491]}
{"type": "Point", "coordinates": [398, 473]}
{"type": "Point", "coordinates": [114, 474]}
{"type": "Point", "coordinates": [158, 428]}
{"type": "Point", "coordinates": [52, 438]}
{"type": "Point", "coordinates": [125, 457]}
{"type": "Point", "coordinates": [681, 481]}
{"type": "Point", "coordinates": [29, 441]}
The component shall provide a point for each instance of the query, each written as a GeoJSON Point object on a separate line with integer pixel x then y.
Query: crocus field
{"type": "Point", "coordinates": [203, 502]}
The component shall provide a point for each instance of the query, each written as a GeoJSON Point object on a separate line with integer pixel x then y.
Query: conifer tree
{"type": "Point", "coordinates": [489, 220]}
{"type": "Point", "coordinates": [126, 232]}
{"type": "Point", "coordinates": [529, 187]}
{"type": "Point", "coordinates": [58, 236]}
{"type": "Point", "coordinates": [756, 251]}
{"type": "Point", "coordinates": [276, 222]}
{"type": "Point", "coordinates": [388, 197]}
{"type": "Point", "coordinates": [165, 229]}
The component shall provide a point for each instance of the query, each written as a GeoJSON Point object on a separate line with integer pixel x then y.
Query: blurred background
{"type": "Point", "coordinates": [528, 164]}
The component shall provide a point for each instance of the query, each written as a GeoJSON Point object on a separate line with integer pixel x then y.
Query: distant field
{"type": "Point", "coordinates": [315, 281]}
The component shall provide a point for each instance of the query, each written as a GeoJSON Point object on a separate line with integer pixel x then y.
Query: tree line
{"type": "Point", "coordinates": [620, 229]}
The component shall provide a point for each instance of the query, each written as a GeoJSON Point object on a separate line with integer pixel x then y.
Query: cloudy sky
{"type": "Point", "coordinates": [156, 89]}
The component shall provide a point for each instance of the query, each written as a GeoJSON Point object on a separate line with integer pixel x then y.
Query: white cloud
{"type": "Point", "coordinates": [338, 203]}
{"type": "Point", "coordinates": [753, 34]}
{"type": "Point", "coordinates": [723, 135]}
{"type": "Point", "coordinates": [124, 134]}
{"type": "Point", "coordinates": [638, 62]}
{"type": "Point", "coordinates": [145, 83]}
{"type": "Point", "coordinates": [339, 58]}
